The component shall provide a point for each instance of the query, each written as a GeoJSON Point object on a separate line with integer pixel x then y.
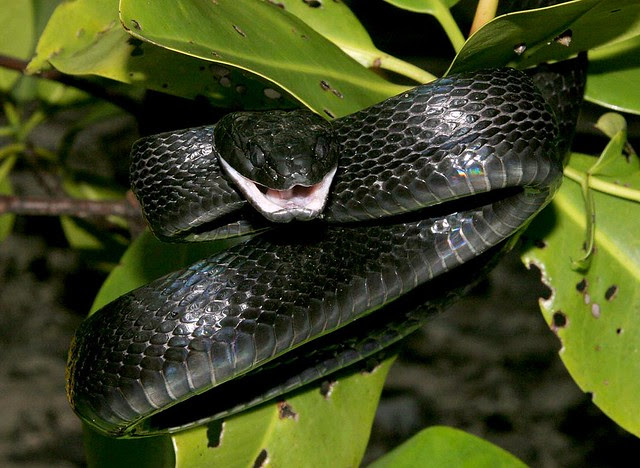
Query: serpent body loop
{"type": "Point", "coordinates": [430, 185]}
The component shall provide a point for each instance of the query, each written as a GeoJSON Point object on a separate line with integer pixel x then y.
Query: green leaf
{"type": "Point", "coordinates": [614, 74]}
{"type": "Point", "coordinates": [611, 123]}
{"type": "Point", "coordinates": [104, 452]}
{"type": "Point", "coordinates": [612, 152]}
{"type": "Point", "coordinates": [11, 114]}
{"type": "Point", "coordinates": [440, 10]}
{"type": "Point", "coordinates": [263, 39]}
{"type": "Point", "coordinates": [594, 313]}
{"type": "Point", "coordinates": [6, 220]}
{"type": "Point", "coordinates": [99, 247]}
{"type": "Point", "coordinates": [592, 23]}
{"type": "Point", "coordinates": [336, 22]}
{"type": "Point", "coordinates": [315, 430]}
{"type": "Point", "coordinates": [445, 447]}
{"type": "Point", "coordinates": [16, 36]}
{"type": "Point", "coordinates": [85, 37]}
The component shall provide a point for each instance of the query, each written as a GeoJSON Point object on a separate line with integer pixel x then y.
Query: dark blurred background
{"type": "Point", "coordinates": [489, 365]}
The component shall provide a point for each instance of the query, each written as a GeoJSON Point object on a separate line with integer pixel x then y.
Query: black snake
{"type": "Point", "coordinates": [431, 185]}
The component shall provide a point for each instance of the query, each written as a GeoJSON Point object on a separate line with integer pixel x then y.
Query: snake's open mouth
{"type": "Point", "coordinates": [298, 202]}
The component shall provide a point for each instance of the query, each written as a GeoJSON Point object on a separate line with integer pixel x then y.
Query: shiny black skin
{"type": "Point", "coordinates": [432, 185]}
{"type": "Point", "coordinates": [481, 149]}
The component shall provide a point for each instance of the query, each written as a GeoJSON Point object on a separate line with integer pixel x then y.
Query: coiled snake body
{"type": "Point", "coordinates": [430, 185]}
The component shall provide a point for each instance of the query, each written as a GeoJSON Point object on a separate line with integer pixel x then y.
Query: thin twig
{"type": "Point", "coordinates": [81, 208]}
{"type": "Point", "coordinates": [121, 100]}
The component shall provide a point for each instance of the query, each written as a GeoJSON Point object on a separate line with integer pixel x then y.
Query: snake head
{"type": "Point", "coordinates": [282, 162]}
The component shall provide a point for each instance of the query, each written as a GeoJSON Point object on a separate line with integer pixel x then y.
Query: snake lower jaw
{"type": "Point", "coordinates": [282, 206]}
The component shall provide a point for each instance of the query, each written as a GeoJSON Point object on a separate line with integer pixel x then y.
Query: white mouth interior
{"type": "Point", "coordinates": [298, 202]}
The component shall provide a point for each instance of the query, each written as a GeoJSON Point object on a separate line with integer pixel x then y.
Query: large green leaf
{"type": "Point", "coordinates": [264, 39]}
{"type": "Point", "coordinates": [85, 37]}
{"type": "Point", "coordinates": [306, 429]}
{"type": "Point", "coordinates": [614, 74]}
{"type": "Point", "coordinates": [447, 447]}
{"type": "Point", "coordinates": [587, 23]}
{"type": "Point", "coordinates": [595, 312]}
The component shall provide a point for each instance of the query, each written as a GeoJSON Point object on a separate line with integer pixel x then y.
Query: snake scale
{"type": "Point", "coordinates": [430, 187]}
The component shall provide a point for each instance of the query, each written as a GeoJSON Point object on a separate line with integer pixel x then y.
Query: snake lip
{"type": "Point", "coordinates": [299, 202]}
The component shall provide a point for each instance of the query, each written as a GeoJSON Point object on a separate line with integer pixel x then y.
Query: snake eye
{"type": "Point", "coordinates": [321, 148]}
{"type": "Point", "coordinates": [256, 156]}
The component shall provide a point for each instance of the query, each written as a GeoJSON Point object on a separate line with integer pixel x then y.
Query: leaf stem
{"type": "Point", "coordinates": [485, 12]}
{"type": "Point", "coordinates": [583, 263]}
{"type": "Point", "coordinates": [32, 122]}
{"type": "Point", "coordinates": [7, 166]}
{"type": "Point", "coordinates": [389, 62]}
{"type": "Point", "coordinates": [603, 186]}
{"type": "Point", "coordinates": [444, 16]}
{"type": "Point", "coordinates": [11, 149]}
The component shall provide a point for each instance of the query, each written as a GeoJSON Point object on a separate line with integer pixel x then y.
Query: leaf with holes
{"type": "Point", "coordinates": [594, 313]}
{"type": "Point", "coordinates": [527, 38]}
{"type": "Point", "coordinates": [446, 446]}
{"type": "Point", "coordinates": [261, 38]}
{"type": "Point", "coordinates": [293, 431]}
{"type": "Point", "coordinates": [85, 37]}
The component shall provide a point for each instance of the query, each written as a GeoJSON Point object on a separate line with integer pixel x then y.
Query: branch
{"type": "Point", "coordinates": [121, 100]}
{"type": "Point", "coordinates": [42, 206]}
